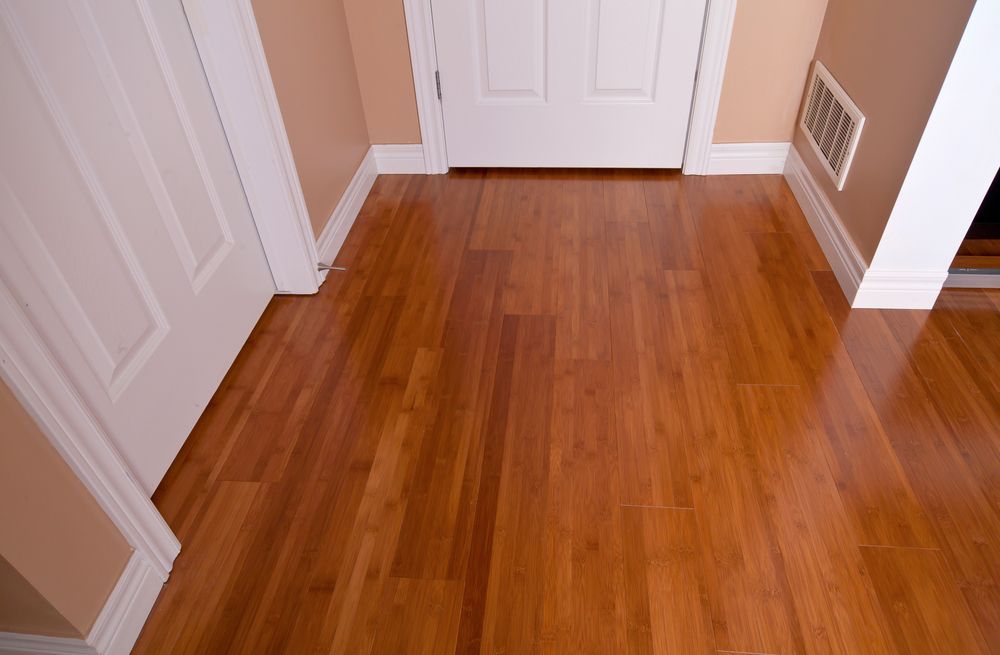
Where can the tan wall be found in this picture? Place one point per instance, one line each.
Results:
(773, 43)
(54, 533)
(891, 57)
(769, 58)
(309, 55)
(25, 611)
(382, 55)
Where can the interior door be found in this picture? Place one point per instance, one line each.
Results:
(125, 237)
(586, 83)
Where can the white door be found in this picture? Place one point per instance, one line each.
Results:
(584, 83)
(125, 238)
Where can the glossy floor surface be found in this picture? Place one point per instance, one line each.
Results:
(585, 412)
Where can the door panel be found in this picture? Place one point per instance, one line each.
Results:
(567, 83)
(124, 231)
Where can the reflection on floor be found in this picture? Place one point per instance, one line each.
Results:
(582, 412)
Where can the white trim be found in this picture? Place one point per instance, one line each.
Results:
(748, 158)
(423, 58)
(899, 290)
(844, 257)
(951, 170)
(718, 33)
(39, 383)
(863, 286)
(399, 158)
(117, 626)
(13, 643)
(347, 210)
(225, 32)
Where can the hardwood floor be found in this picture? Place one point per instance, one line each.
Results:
(592, 412)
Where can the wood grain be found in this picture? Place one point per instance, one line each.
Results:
(591, 412)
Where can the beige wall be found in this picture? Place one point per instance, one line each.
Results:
(891, 57)
(54, 534)
(25, 611)
(769, 58)
(382, 55)
(773, 43)
(309, 55)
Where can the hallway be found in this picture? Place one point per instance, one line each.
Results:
(591, 412)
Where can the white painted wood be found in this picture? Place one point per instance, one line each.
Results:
(708, 87)
(954, 164)
(126, 243)
(118, 625)
(898, 289)
(35, 377)
(843, 255)
(554, 83)
(748, 158)
(227, 38)
(404, 158)
(424, 61)
(347, 210)
(12, 643)
(863, 286)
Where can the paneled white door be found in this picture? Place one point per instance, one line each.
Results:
(126, 243)
(601, 83)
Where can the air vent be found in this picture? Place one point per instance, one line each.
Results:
(832, 123)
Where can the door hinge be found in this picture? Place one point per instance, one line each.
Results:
(437, 79)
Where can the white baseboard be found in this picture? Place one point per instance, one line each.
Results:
(117, 626)
(864, 287)
(399, 158)
(125, 612)
(844, 258)
(899, 290)
(747, 158)
(339, 224)
(12, 643)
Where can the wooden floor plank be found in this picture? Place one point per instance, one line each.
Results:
(600, 412)
(926, 612)
(667, 605)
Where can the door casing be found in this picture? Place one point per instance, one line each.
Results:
(716, 37)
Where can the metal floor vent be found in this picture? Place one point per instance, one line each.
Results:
(832, 123)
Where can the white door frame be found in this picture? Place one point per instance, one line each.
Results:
(225, 32)
(704, 108)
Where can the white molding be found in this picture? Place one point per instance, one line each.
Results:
(718, 32)
(899, 289)
(117, 626)
(225, 32)
(13, 643)
(748, 158)
(954, 163)
(40, 384)
(844, 257)
(347, 210)
(403, 158)
(864, 287)
(423, 58)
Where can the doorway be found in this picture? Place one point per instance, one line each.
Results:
(528, 83)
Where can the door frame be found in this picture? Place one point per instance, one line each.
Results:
(225, 33)
(716, 37)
